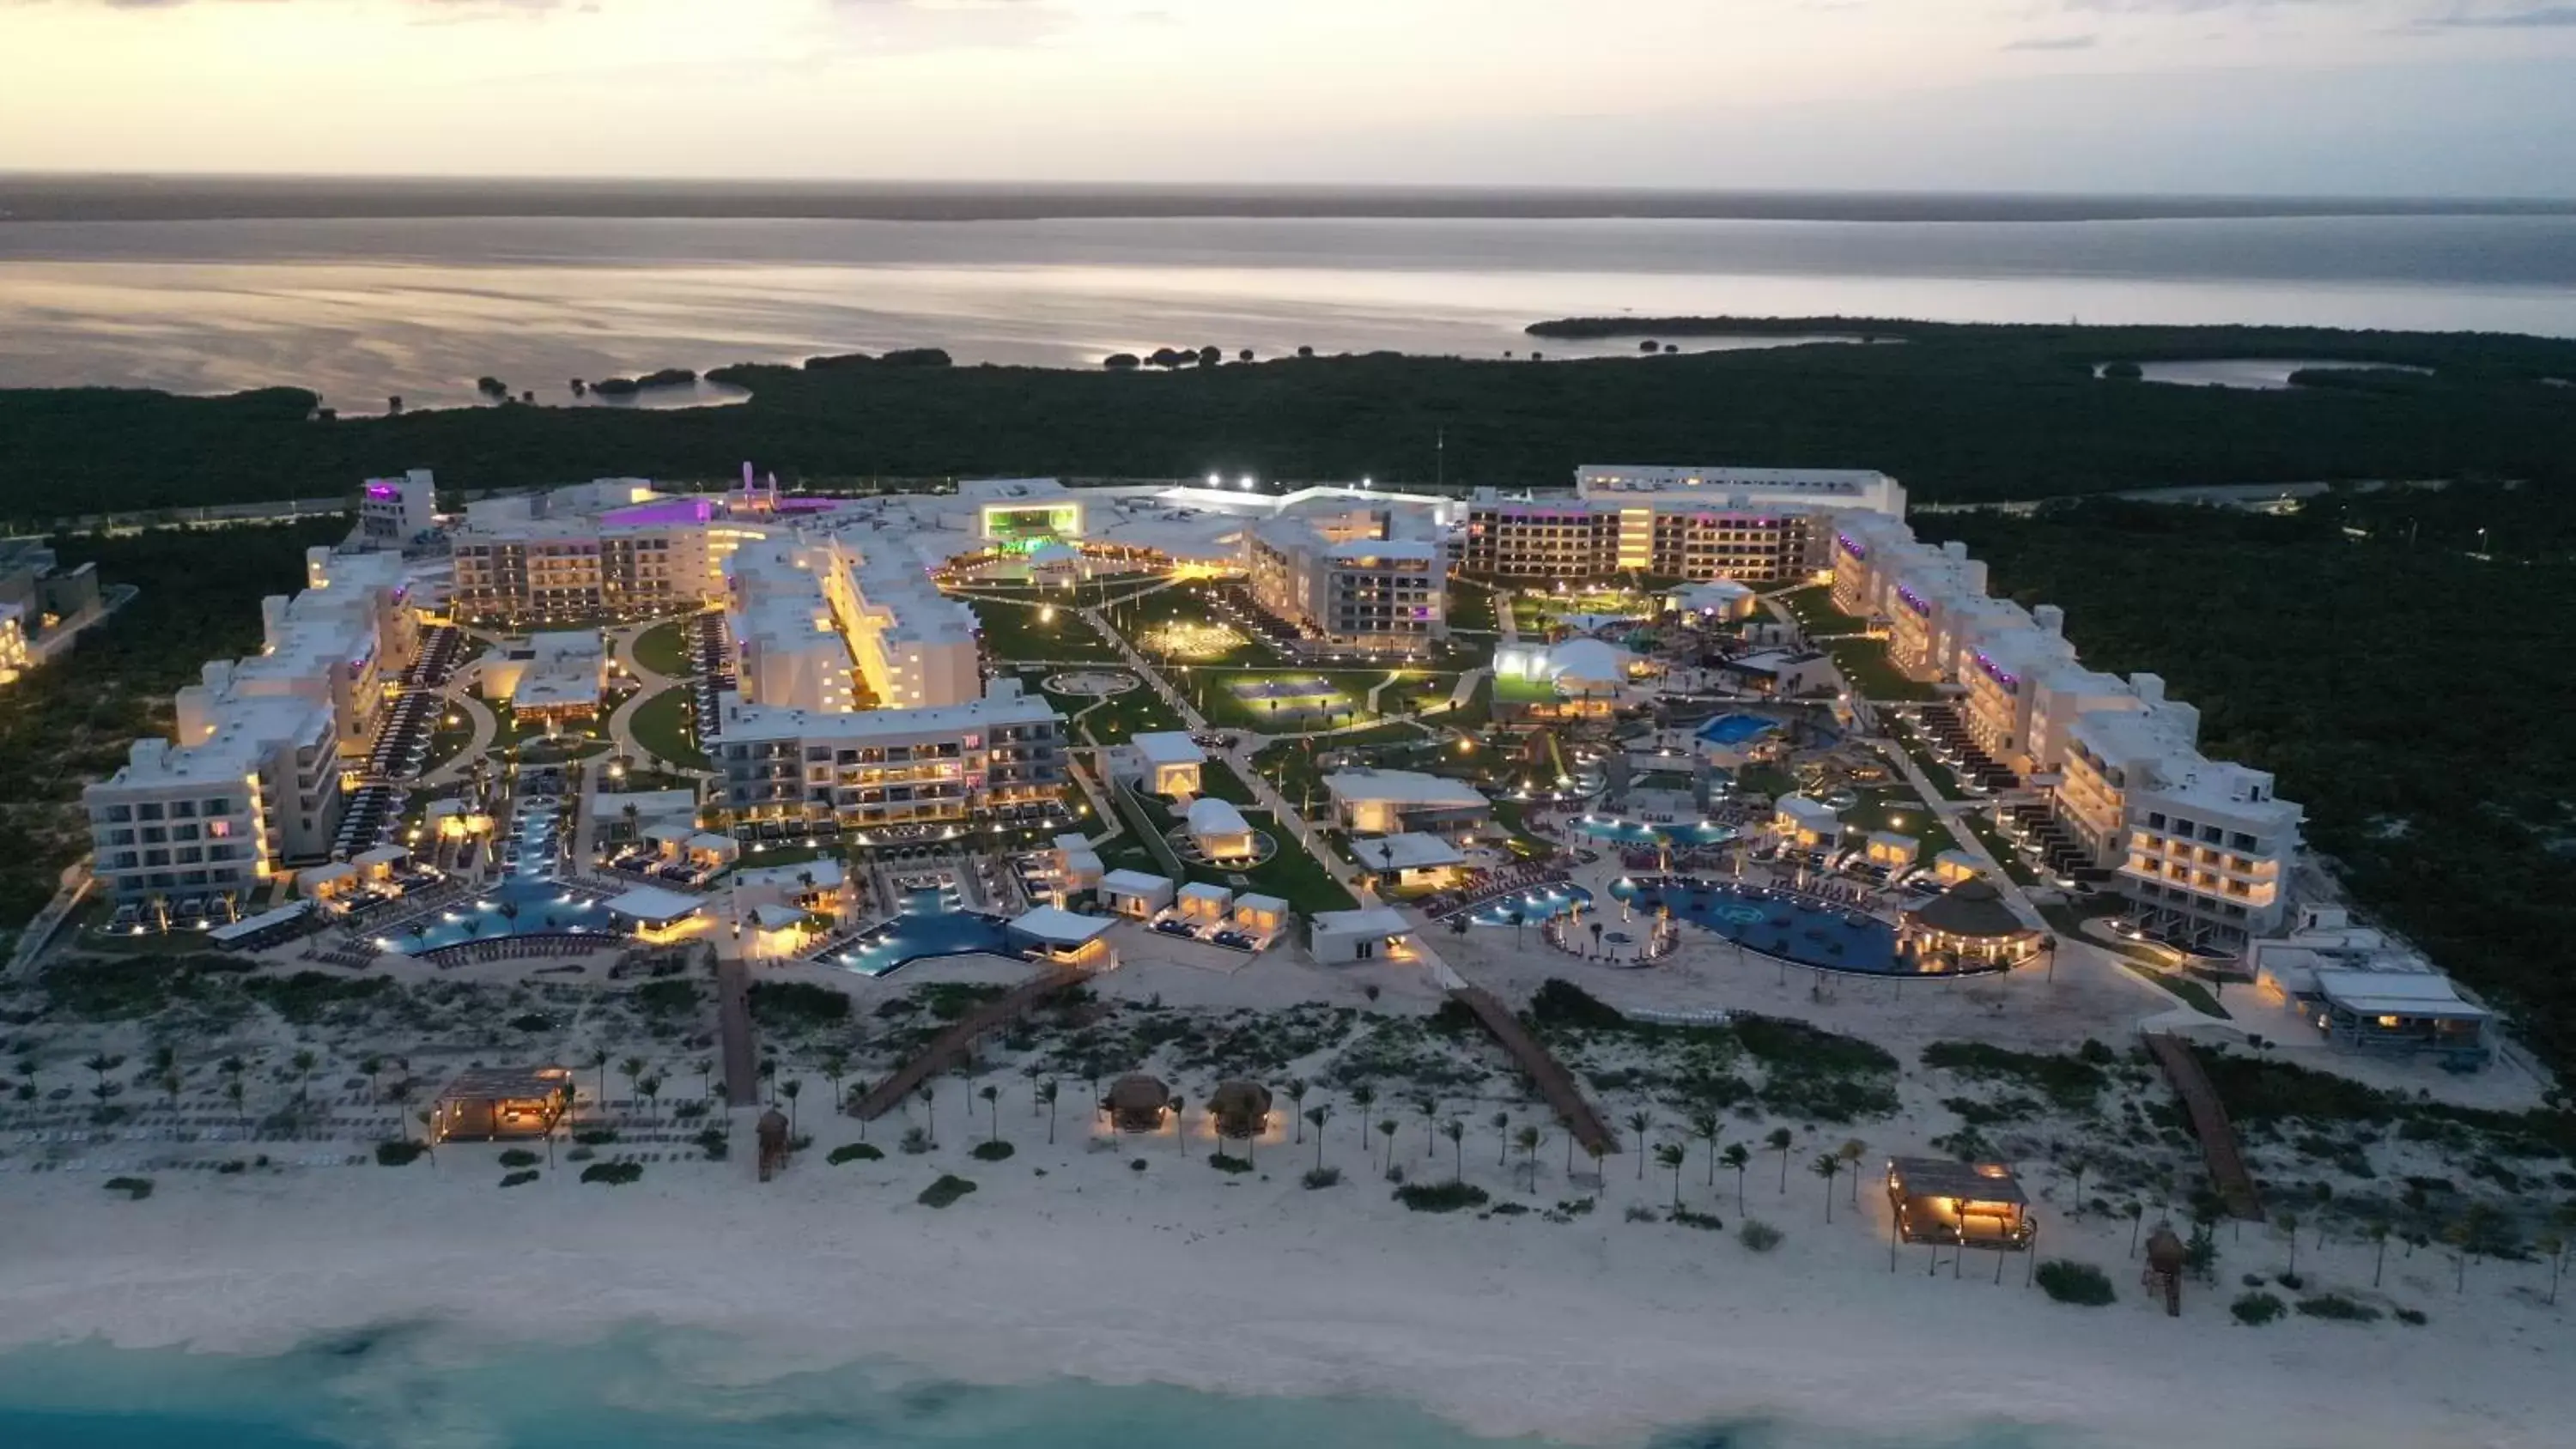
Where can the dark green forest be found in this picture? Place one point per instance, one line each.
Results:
(1961, 413)
(71, 722)
(2419, 701)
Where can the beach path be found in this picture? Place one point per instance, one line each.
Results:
(1554, 1083)
(2209, 1123)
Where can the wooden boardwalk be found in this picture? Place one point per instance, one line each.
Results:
(2209, 1123)
(951, 1046)
(741, 1053)
(1554, 1082)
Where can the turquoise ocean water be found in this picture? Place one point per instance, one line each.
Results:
(404, 1388)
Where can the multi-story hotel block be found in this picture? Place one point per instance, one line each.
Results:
(1755, 525)
(42, 606)
(396, 512)
(251, 781)
(1362, 581)
(607, 549)
(1001, 756)
(2204, 848)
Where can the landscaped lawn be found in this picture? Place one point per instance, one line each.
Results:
(1896, 809)
(1943, 779)
(662, 726)
(1813, 606)
(1184, 625)
(664, 648)
(1276, 700)
(1471, 605)
(2003, 851)
(1864, 662)
(1025, 631)
(1121, 716)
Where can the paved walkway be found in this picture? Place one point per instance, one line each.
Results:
(487, 728)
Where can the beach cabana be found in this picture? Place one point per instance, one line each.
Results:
(1978, 1204)
(1261, 916)
(1376, 933)
(1219, 830)
(1241, 1109)
(1805, 821)
(1412, 861)
(328, 882)
(1134, 893)
(1136, 1103)
(1890, 851)
(1971, 922)
(1065, 937)
(1077, 866)
(1202, 904)
(1167, 761)
(1953, 866)
(491, 1104)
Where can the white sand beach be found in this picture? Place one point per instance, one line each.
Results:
(1068, 1261)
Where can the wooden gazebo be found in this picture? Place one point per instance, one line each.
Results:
(1978, 1204)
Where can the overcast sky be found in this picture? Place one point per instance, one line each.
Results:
(2430, 97)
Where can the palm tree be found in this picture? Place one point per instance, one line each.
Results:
(1640, 1122)
(1850, 1152)
(1705, 1126)
(1528, 1140)
(2378, 1235)
(793, 1088)
(1827, 1166)
(1046, 1094)
(1364, 1097)
(1429, 1106)
(836, 1065)
(769, 1074)
(929, 1109)
(651, 1087)
(233, 1092)
(598, 1061)
(400, 1096)
(1387, 1130)
(102, 1064)
(170, 1086)
(2290, 1224)
(1297, 1089)
(1181, 1123)
(706, 1077)
(2554, 1248)
(1672, 1155)
(2137, 1212)
(2076, 1166)
(1503, 1129)
(1780, 1139)
(304, 1062)
(1456, 1132)
(1319, 1114)
(992, 1096)
(1739, 1157)
(371, 1065)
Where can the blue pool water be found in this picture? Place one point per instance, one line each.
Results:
(544, 909)
(1809, 935)
(924, 929)
(1533, 906)
(1631, 832)
(1735, 729)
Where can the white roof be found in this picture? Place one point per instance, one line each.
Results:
(381, 855)
(1168, 747)
(1410, 851)
(1811, 813)
(724, 845)
(1135, 883)
(1212, 816)
(825, 870)
(322, 875)
(1260, 905)
(652, 903)
(1582, 661)
(1402, 787)
(1374, 921)
(1059, 927)
(1071, 843)
(253, 925)
(1202, 891)
(774, 918)
(2394, 993)
(1893, 837)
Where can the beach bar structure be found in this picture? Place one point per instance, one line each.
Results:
(1065, 937)
(1970, 923)
(1978, 1204)
(493, 1104)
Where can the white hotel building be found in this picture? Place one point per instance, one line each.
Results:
(2203, 847)
(1363, 581)
(1756, 525)
(251, 782)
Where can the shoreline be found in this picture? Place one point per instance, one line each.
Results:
(1598, 1332)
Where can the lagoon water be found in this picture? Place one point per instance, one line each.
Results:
(364, 308)
(659, 1389)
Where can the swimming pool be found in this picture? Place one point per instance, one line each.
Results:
(1818, 936)
(1632, 832)
(1735, 729)
(1534, 906)
(519, 906)
(923, 930)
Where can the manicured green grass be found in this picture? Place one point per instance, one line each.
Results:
(1864, 662)
(1143, 621)
(1942, 778)
(2192, 992)
(1813, 607)
(662, 725)
(1023, 631)
(1121, 716)
(2003, 851)
(1896, 808)
(664, 648)
(1471, 605)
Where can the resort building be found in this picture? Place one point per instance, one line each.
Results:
(1398, 802)
(1002, 755)
(612, 548)
(1135, 893)
(1368, 581)
(1219, 832)
(1780, 673)
(788, 649)
(251, 782)
(1578, 678)
(1411, 862)
(553, 677)
(1749, 525)
(1015, 515)
(41, 607)
(2367, 992)
(1376, 933)
(394, 513)
(2109, 773)
(915, 648)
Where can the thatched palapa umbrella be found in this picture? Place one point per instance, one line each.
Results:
(1136, 1103)
(1241, 1109)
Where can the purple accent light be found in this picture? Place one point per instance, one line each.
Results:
(1851, 545)
(669, 510)
(383, 492)
(1997, 672)
(1913, 600)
